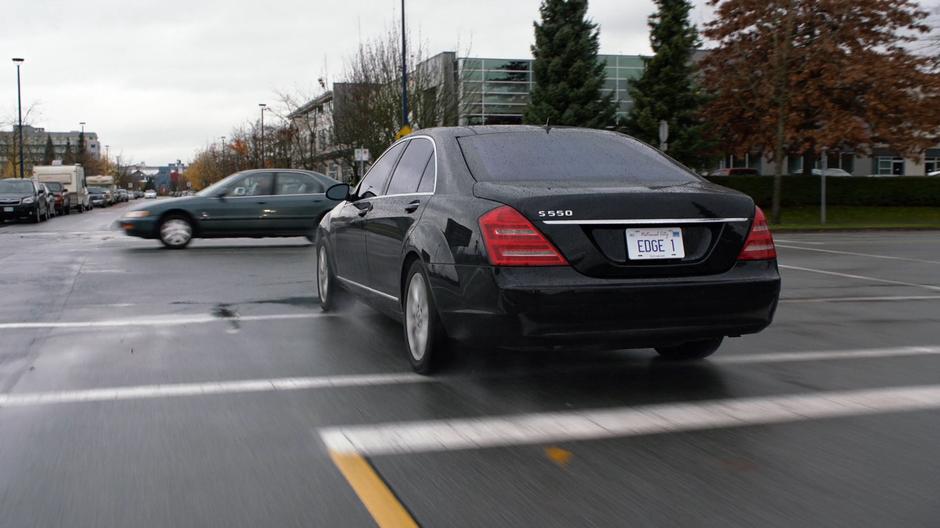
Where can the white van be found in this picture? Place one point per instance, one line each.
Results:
(72, 177)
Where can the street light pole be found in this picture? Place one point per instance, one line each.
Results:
(19, 111)
(263, 107)
(404, 70)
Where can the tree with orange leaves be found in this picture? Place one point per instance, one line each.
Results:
(795, 77)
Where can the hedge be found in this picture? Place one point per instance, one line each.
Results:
(870, 191)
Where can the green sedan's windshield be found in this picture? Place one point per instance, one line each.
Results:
(218, 186)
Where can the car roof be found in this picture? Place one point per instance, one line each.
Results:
(462, 131)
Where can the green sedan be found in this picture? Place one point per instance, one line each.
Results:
(254, 203)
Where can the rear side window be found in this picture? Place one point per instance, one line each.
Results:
(569, 156)
(374, 182)
(297, 183)
(408, 174)
(427, 179)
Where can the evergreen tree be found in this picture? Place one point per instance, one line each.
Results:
(68, 158)
(80, 155)
(568, 77)
(667, 90)
(48, 156)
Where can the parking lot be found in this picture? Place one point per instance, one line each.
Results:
(147, 387)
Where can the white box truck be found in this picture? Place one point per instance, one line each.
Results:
(72, 177)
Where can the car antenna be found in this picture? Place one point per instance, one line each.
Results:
(548, 125)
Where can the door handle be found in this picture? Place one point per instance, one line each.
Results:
(261, 203)
(413, 206)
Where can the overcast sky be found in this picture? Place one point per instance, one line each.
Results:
(159, 79)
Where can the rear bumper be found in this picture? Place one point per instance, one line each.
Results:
(558, 306)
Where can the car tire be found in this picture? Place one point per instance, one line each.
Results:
(328, 291)
(425, 339)
(691, 350)
(37, 216)
(176, 231)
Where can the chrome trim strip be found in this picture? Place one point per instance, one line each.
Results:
(364, 287)
(650, 221)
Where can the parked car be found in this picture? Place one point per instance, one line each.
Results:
(98, 196)
(150, 194)
(254, 203)
(735, 171)
(831, 172)
(23, 200)
(49, 199)
(62, 201)
(520, 236)
(934, 173)
(122, 195)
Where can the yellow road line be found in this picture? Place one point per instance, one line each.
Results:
(382, 504)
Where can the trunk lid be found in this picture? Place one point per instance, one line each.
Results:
(588, 223)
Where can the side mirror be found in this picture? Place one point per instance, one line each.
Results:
(239, 191)
(339, 192)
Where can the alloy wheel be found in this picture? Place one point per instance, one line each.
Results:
(417, 316)
(323, 274)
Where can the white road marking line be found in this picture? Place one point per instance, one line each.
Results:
(862, 277)
(854, 254)
(526, 429)
(798, 242)
(861, 299)
(201, 389)
(782, 357)
(159, 321)
(365, 380)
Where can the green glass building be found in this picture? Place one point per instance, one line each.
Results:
(496, 91)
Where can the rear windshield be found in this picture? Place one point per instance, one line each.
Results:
(571, 156)
(54, 187)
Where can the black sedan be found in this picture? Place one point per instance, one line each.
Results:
(254, 203)
(543, 237)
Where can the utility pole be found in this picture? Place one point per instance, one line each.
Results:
(263, 107)
(405, 126)
(19, 110)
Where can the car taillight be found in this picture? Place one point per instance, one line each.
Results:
(511, 240)
(760, 243)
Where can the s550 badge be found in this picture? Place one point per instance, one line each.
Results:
(552, 214)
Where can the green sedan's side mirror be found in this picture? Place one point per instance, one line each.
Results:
(340, 191)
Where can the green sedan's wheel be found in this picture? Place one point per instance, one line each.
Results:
(176, 232)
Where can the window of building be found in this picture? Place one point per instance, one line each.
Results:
(931, 165)
(888, 165)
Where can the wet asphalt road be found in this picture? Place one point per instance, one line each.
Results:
(84, 308)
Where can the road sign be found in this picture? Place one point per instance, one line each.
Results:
(361, 154)
(405, 130)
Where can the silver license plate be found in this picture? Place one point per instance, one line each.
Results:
(655, 243)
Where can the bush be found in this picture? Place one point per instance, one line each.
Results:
(909, 191)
